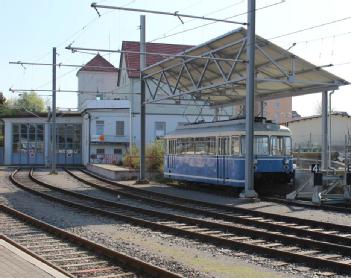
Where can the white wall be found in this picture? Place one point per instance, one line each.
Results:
(304, 130)
(171, 124)
(94, 81)
(109, 117)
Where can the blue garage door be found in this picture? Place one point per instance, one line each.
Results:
(28, 144)
(69, 137)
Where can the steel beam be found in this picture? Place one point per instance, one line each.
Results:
(325, 130)
(53, 117)
(249, 191)
(142, 99)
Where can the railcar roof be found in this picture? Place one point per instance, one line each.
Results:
(222, 127)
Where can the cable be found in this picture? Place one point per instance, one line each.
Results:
(310, 28)
(210, 13)
(210, 23)
(342, 64)
(323, 38)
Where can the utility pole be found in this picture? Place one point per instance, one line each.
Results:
(250, 99)
(142, 99)
(53, 118)
(325, 130)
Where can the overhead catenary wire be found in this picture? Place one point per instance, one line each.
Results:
(207, 14)
(177, 14)
(211, 23)
(80, 31)
(310, 28)
(73, 49)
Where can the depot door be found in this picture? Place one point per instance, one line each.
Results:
(28, 144)
(69, 144)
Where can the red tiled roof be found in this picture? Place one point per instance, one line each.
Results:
(99, 63)
(133, 59)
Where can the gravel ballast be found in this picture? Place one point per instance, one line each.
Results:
(185, 256)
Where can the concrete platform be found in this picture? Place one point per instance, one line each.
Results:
(113, 172)
(15, 263)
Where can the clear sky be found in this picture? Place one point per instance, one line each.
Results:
(30, 28)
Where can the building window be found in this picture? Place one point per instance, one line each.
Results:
(120, 128)
(100, 151)
(160, 129)
(99, 127)
(117, 151)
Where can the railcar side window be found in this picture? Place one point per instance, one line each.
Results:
(172, 146)
(223, 146)
(235, 145)
(185, 146)
(277, 145)
(211, 145)
(200, 145)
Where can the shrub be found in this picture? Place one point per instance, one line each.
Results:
(154, 156)
(131, 158)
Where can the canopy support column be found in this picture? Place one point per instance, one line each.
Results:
(250, 103)
(325, 130)
(142, 100)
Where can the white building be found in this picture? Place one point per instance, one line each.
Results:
(107, 122)
(109, 100)
(307, 131)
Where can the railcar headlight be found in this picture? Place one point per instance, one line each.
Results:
(255, 161)
(286, 161)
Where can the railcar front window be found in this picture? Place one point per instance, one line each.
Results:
(277, 145)
(288, 145)
(260, 145)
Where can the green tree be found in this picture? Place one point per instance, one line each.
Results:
(30, 102)
(26, 102)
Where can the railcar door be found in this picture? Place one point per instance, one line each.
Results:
(223, 151)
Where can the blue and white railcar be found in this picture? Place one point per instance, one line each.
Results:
(214, 153)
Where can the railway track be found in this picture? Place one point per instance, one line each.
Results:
(68, 253)
(279, 196)
(279, 223)
(307, 204)
(280, 244)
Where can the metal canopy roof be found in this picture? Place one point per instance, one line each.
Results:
(215, 72)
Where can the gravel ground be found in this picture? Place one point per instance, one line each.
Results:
(290, 210)
(191, 258)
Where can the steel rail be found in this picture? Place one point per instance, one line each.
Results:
(123, 259)
(236, 218)
(29, 252)
(309, 205)
(312, 234)
(254, 213)
(231, 242)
